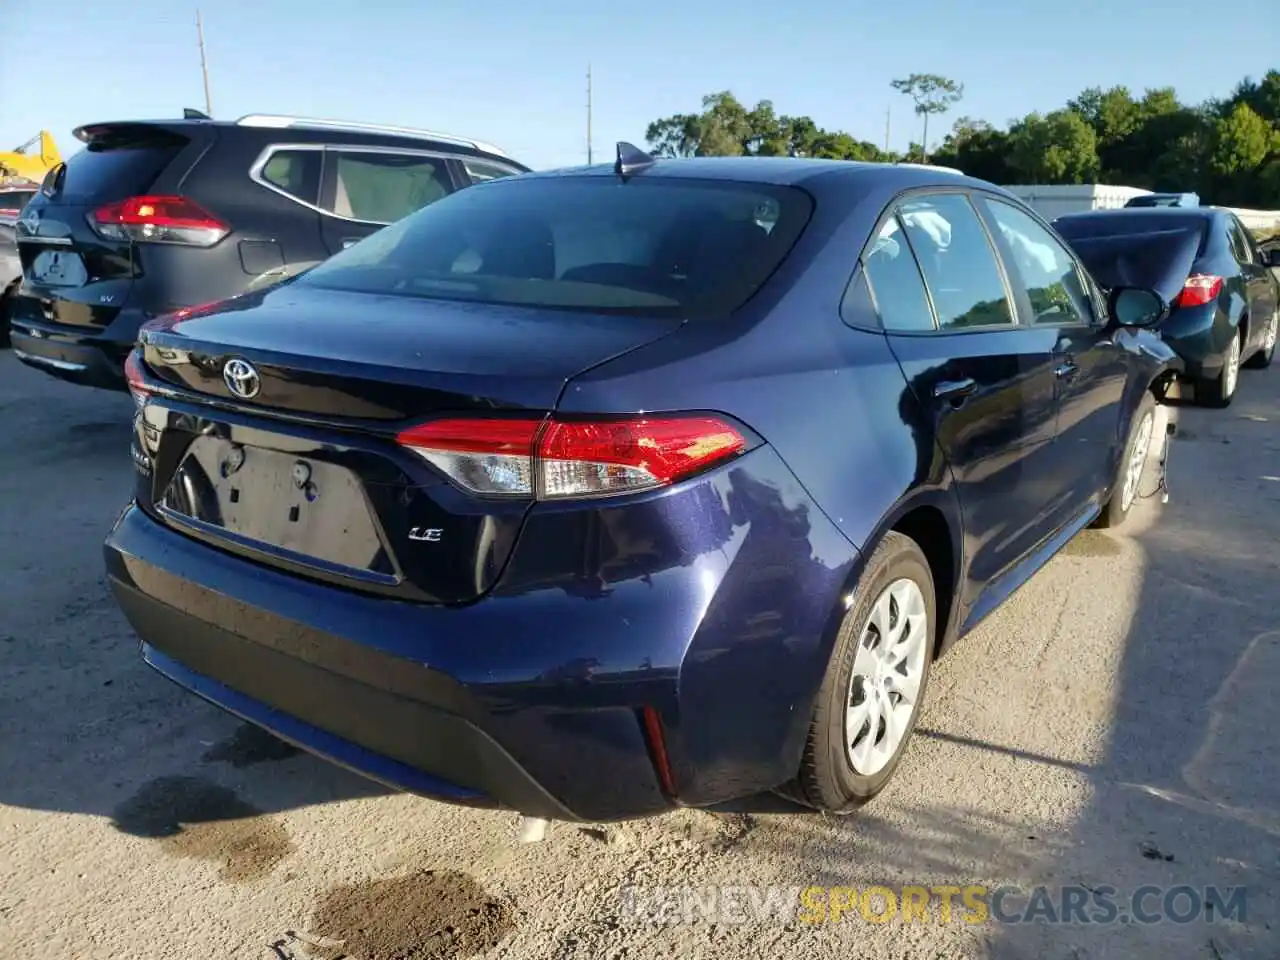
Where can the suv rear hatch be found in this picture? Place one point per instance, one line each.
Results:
(275, 427)
(77, 238)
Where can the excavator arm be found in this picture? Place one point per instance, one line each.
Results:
(32, 160)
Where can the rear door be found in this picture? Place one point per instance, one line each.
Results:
(365, 188)
(73, 274)
(1260, 288)
(1090, 368)
(985, 382)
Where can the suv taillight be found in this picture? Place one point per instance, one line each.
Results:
(550, 459)
(154, 219)
(1200, 288)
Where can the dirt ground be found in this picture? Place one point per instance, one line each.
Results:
(1112, 725)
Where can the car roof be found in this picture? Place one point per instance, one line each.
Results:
(305, 128)
(783, 171)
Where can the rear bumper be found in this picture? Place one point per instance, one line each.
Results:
(1199, 336)
(72, 355)
(533, 697)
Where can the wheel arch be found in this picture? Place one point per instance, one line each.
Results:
(931, 517)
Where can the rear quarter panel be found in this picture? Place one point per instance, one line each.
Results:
(829, 398)
(832, 403)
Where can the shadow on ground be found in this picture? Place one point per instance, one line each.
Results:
(85, 727)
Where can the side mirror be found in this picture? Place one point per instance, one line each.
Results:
(1271, 257)
(1136, 307)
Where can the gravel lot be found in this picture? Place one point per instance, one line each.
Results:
(1112, 725)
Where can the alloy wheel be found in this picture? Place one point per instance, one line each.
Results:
(888, 667)
(1231, 368)
(1269, 341)
(1137, 461)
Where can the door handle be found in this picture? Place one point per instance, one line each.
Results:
(350, 242)
(1065, 370)
(955, 391)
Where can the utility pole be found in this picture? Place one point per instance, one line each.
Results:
(589, 155)
(204, 64)
(888, 112)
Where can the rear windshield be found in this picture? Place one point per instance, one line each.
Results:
(661, 247)
(15, 199)
(112, 170)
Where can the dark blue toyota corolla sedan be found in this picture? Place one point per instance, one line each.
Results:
(597, 492)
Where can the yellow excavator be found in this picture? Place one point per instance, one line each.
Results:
(31, 161)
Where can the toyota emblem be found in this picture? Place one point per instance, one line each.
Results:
(241, 378)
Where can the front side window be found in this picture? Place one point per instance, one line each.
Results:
(1043, 266)
(694, 249)
(384, 187)
(958, 263)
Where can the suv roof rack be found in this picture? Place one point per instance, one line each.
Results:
(281, 121)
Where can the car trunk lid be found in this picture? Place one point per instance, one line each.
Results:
(268, 428)
(1159, 260)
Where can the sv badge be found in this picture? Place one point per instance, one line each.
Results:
(426, 534)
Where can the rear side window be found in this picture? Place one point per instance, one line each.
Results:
(113, 169)
(1240, 247)
(958, 263)
(296, 172)
(693, 249)
(896, 285)
(384, 187)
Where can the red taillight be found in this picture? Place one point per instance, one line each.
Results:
(1199, 289)
(558, 459)
(158, 220)
(133, 376)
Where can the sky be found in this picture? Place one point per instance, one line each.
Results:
(515, 74)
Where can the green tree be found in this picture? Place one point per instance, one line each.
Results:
(1262, 97)
(722, 129)
(1114, 116)
(1228, 150)
(727, 128)
(932, 94)
(1058, 148)
(977, 148)
(1240, 142)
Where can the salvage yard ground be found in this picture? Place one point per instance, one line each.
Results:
(1114, 724)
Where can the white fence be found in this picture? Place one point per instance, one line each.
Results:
(1054, 201)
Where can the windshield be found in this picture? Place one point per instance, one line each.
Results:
(692, 249)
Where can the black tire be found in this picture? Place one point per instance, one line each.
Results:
(1262, 359)
(827, 780)
(1115, 510)
(1221, 390)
